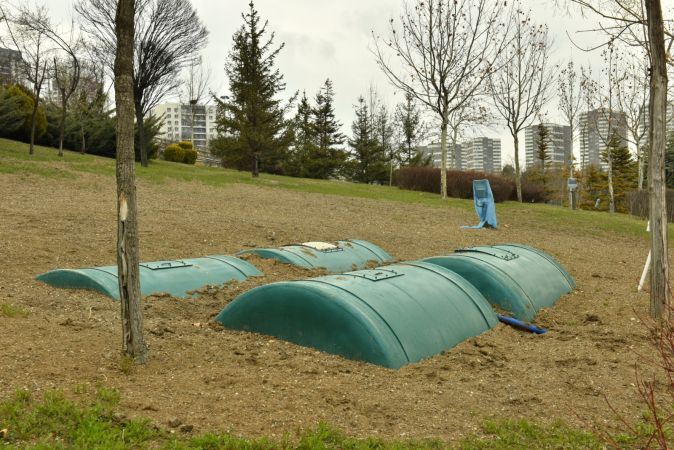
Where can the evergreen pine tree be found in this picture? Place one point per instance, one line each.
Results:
(624, 171)
(304, 138)
(251, 121)
(411, 131)
(327, 158)
(542, 146)
(369, 161)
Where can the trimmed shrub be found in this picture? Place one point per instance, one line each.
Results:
(185, 145)
(174, 153)
(459, 184)
(190, 156)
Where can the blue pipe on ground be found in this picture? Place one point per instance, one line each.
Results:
(521, 325)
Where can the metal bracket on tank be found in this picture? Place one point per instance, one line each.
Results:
(376, 274)
(159, 265)
(506, 255)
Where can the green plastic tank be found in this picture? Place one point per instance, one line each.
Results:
(175, 277)
(515, 277)
(339, 257)
(389, 316)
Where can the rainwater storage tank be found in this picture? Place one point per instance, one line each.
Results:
(516, 278)
(340, 257)
(174, 277)
(389, 316)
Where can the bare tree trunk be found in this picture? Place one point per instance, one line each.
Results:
(33, 117)
(455, 132)
(390, 175)
(133, 343)
(611, 195)
(656, 163)
(140, 123)
(83, 147)
(640, 168)
(518, 172)
(256, 165)
(443, 158)
(62, 124)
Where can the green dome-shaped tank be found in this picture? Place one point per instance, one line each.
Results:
(177, 277)
(390, 316)
(342, 256)
(515, 277)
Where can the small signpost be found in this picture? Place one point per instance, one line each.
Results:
(572, 185)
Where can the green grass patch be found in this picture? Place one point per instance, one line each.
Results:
(511, 434)
(53, 421)
(45, 162)
(11, 311)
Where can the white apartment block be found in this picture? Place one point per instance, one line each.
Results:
(433, 150)
(595, 129)
(560, 144)
(194, 123)
(11, 65)
(645, 122)
(482, 154)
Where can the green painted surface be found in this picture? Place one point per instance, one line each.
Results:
(388, 316)
(517, 278)
(175, 277)
(347, 255)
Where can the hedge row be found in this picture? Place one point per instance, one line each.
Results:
(638, 201)
(460, 184)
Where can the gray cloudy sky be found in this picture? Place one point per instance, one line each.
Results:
(331, 38)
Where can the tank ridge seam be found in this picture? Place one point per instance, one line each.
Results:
(356, 242)
(552, 261)
(227, 263)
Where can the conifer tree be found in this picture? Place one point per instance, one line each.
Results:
(304, 138)
(369, 161)
(251, 120)
(542, 145)
(411, 129)
(327, 158)
(624, 170)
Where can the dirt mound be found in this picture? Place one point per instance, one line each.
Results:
(219, 380)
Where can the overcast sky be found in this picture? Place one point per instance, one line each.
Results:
(332, 38)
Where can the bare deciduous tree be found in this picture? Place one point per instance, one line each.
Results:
(520, 88)
(444, 51)
(643, 23)
(195, 89)
(602, 100)
(33, 43)
(570, 101)
(133, 342)
(167, 34)
(632, 98)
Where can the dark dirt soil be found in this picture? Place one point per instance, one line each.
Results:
(218, 380)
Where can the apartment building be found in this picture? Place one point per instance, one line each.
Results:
(433, 150)
(10, 66)
(560, 144)
(482, 154)
(596, 128)
(195, 123)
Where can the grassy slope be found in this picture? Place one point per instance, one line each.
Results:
(14, 158)
(56, 422)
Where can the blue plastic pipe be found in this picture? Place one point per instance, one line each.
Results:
(521, 325)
